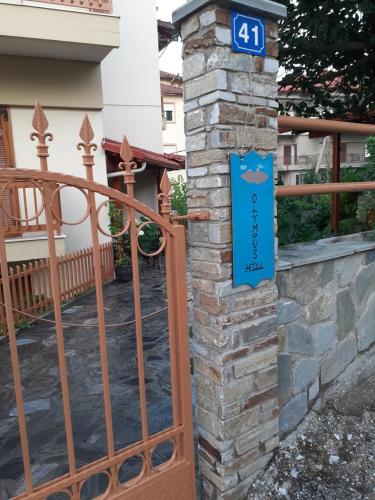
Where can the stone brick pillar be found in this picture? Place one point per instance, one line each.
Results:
(235, 329)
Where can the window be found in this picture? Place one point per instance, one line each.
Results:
(9, 195)
(6, 143)
(169, 112)
(287, 155)
(298, 179)
(343, 151)
(295, 153)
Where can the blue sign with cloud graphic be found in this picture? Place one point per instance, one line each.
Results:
(252, 218)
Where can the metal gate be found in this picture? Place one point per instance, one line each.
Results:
(173, 478)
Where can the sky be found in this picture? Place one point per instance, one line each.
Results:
(170, 60)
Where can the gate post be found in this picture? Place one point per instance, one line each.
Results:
(235, 329)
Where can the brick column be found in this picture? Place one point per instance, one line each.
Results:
(235, 329)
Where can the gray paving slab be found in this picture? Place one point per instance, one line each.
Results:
(42, 393)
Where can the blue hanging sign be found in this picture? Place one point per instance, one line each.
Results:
(248, 34)
(252, 218)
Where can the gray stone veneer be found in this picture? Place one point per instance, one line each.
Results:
(326, 318)
(234, 330)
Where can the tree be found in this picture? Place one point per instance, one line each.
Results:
(179, 196)
(328, 52)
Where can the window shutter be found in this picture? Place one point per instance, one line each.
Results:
(3, 133)
(9, 201)
(287, 154)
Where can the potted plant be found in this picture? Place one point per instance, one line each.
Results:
(121, 245)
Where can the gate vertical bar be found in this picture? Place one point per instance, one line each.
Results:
(129, 179)
(165, 211)
(336, 177)
(180, 288)
(40, 124)
(87, 135)
(15, 362)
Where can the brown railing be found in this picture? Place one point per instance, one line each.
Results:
(322, 128)
(31, 289)
(104, 6)
(23, 211)
(328, 188)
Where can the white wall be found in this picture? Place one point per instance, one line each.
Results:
(175, 132)
(64, 158)
(146, 188)
(131, 81)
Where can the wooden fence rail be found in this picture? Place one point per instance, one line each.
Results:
(30, 283)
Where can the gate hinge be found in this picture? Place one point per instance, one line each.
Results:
(201, 215)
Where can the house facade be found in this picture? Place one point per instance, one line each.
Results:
(77, 57)
(51, 51)
(297, 153)
(130, 74)
(173, 113)
(300, 152)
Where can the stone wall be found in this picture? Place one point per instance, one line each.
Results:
(326, 318)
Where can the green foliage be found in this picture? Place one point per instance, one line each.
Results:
(179, 196)
(326, 41)
(149, 236)
(304, 218)
(366, 201)
(370, 146)
(121, 244)
(308, 218)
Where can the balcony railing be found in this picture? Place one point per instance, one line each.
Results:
(104, 6)
(21, 210)
(312, 160)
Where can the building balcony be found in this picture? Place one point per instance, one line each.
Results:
(32, 247)
(23, 219)
(100, 6)
(305, 161)
(79, 30)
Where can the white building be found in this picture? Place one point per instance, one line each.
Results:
(52, 53)
(299, 152)
(131, 93)
(132, 103)
(75, 61)
(173, 113)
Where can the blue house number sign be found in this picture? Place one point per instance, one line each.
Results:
(248, 34)
(252, 218)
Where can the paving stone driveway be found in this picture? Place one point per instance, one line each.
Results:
(42, 393)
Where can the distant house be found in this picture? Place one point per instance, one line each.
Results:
(173, 113)
(299, 152)
(147, 186)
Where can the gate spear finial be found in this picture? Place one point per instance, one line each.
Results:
(87, 135)
(40, 124)
(165, 195)
(128, 165)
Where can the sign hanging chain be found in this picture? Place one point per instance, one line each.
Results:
(250, 104)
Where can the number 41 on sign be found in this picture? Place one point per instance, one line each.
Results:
(248, 34)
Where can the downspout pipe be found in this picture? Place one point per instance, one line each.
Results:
(121, 172)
